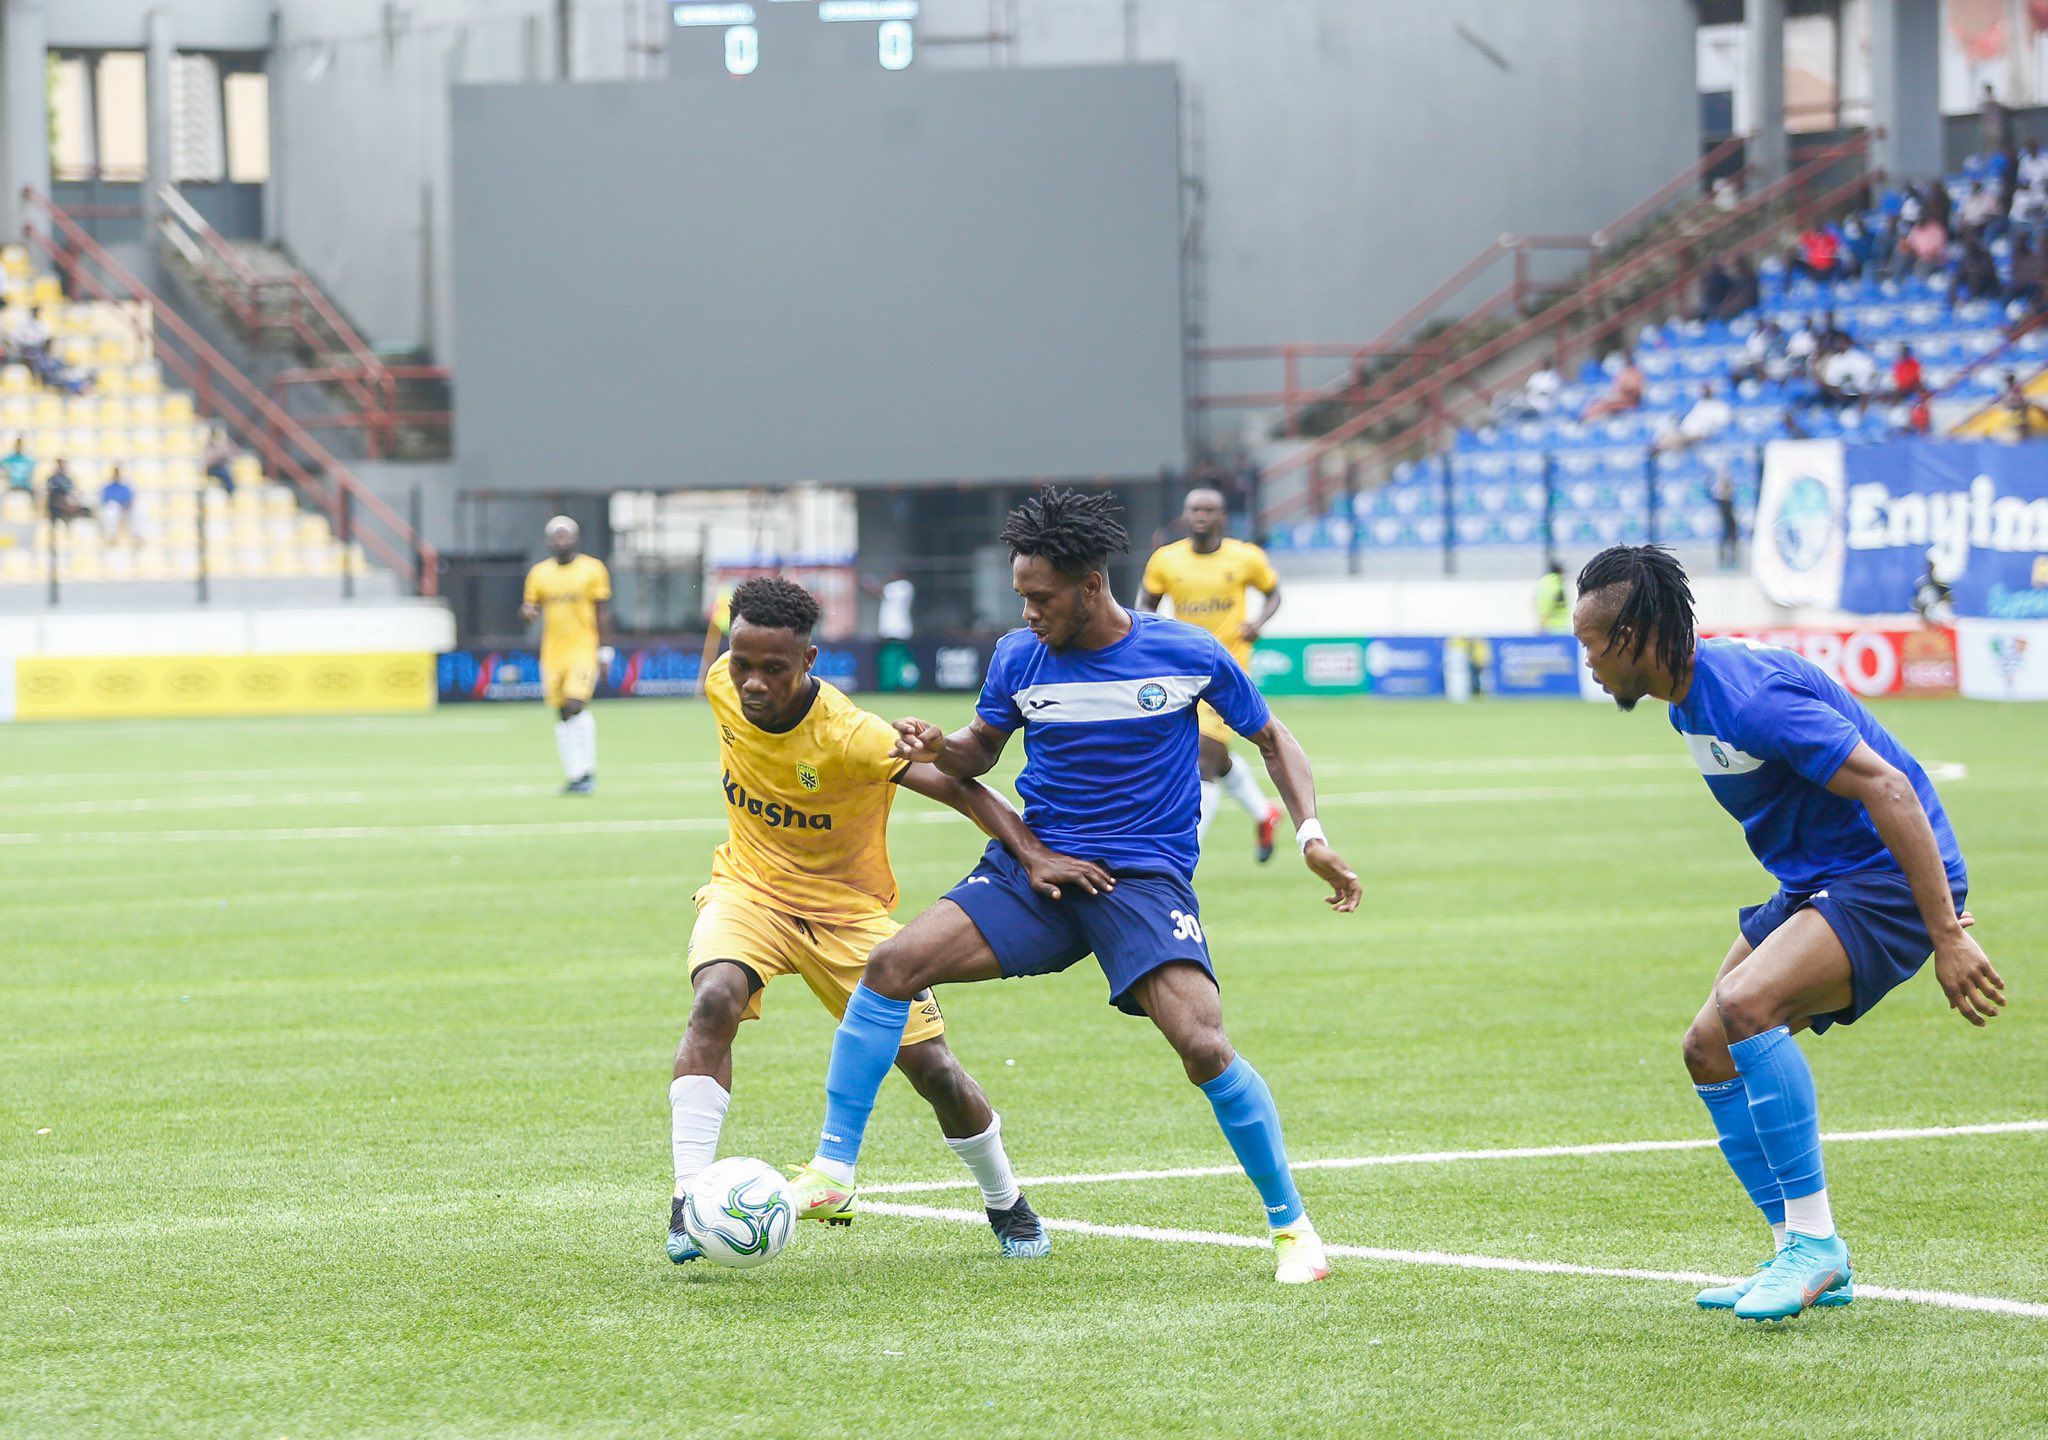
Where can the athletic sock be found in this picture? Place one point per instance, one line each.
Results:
(1778, 1235)
(1211, 794)
(1728, 1102)
(1244, 1108)
(1787, 1118)
(1243, 787)
(696, 1114)
(565, 747)
(984, 1155)
(585, 727)
(863, 1049)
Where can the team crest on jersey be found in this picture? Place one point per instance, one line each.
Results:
(807, 775)
(1151, 697)
(1720, 756)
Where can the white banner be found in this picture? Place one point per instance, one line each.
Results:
(2003, 659)
(1797, 547)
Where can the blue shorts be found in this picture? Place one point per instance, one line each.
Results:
(1146, 922)
(1874, 917)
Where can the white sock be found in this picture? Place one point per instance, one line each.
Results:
(696, 1114)
(836, 1170)
(1810, 1215)
(1243, 787)
(1778, 1234)
(984, 1155)
(1211, 793)
(584, 727)
(565, 746)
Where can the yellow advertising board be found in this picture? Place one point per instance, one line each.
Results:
(95, 687)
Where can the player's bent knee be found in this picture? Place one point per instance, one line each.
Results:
(1706, 1056)
(1744, 1010)
(1205, 1055)
(893, 971)
(722, 989)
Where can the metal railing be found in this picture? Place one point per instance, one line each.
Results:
(228, 397)
(1441, 408)
(290, 302)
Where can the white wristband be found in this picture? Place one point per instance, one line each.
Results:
(1308, 831)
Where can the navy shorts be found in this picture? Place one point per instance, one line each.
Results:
(1874, 917)
(1146, 922)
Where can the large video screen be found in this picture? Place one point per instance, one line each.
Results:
(847, 279)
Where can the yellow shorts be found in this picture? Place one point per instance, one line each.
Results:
(1211, 724)
(733, 926)
(574, 679)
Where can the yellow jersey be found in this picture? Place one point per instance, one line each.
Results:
(807, 809)
(1208, 590)
(568, 597)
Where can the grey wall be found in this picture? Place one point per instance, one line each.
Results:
(856, 278)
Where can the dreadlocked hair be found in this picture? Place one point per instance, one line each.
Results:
(774, 603)
(1658, 602)
(1073, 532)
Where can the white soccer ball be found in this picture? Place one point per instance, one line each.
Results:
(737, 1213)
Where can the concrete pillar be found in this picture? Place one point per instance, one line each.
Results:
(24, 109)
(273, 190)
(1905, 87)
(1766, 37)
(159, 49)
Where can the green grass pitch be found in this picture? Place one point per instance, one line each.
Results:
(333, 1059)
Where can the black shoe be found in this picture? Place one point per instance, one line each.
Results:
(1019, 1231)
(586, 785)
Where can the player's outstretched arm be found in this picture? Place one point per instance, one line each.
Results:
(1049, 870)
(964, 754)
(1287, 763)
(1967, 978)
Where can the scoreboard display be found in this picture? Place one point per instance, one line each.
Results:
(744, 36)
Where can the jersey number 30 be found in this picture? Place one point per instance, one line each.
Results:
(1186, 926)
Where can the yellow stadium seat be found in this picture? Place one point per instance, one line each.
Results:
(146, 440)
(178, 408)
(246, 469)
(15, 379)
(49, 409)
(280, 500)
(182, 440)
(184, 473)
(111, 350)
(81, 409)
(14, 259)
(147, 474)
(111, 382)
(44, 290)
(81, 441)
(146, 378)
(113, 412)
(73, 349)
(17, 507)
(145, 409)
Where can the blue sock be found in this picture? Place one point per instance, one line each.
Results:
(1244, 1108)
(1728, 1103)
(863, 1049)
(1782, 1105)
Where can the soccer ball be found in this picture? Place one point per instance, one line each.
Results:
(737, 1213)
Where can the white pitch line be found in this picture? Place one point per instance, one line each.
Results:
(1944, 1299)
(1443, 1157)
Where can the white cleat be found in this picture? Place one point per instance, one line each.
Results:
(1298, 1257)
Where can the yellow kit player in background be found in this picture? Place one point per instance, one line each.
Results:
(570, 594)
(1206, 577)
(802, 886)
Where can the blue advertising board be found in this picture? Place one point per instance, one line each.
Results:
(1534, 665)
(645, 671)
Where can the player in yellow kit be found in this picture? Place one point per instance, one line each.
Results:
(1206, 576)
(570, 594)
(802, 886)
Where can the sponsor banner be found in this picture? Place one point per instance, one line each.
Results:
(1871, 662)
(2003, 659)
(647, 671)
(170, 685)
(1535, 665)
(951, 664)
(1408, 665)
(1856, 527)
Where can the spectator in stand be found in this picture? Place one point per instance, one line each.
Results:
(28, 339)
(1977, 273)
(1763, 354)
(1920, 414)
(1818, 253)
(60, 495)
(1940, 204)
(1708, 417)
(1912, 207)
(1859, 247)
(1994, 124)
(1983, 215)
(1715, 286)
(117, 508)
(1624, 395)
(1746, 293)
(2026, 414)
(2029, 273)
(1731, 527)
(1536, 399)
(20, 467)
(1923, 251)
(218, 458)
(1906, 374)
(2033, 167)
(1847, 375)
(1802, 347)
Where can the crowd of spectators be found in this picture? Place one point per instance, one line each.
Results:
(29, 341)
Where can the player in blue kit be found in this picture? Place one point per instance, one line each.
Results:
(1106, 699)
(1870, 878)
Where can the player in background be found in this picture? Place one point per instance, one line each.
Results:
(802, 886)
(1106, 698)
(717, 624)
(1870, 882)
(1206, 577)
(570, 594)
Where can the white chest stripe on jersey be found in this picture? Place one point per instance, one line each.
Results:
(1081, 701)
(1718, 757)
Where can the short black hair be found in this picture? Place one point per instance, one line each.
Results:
(774, 603)
(1658, 598)
(1075, 533)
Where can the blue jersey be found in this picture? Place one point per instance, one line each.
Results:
(1769, 729)
(1111, 750)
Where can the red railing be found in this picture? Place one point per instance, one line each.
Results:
(1418, 357)
(227, 396)
(1432, 392)
(289, 301)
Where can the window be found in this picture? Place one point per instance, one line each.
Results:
(247, 96)
(71, 127)
(120, 83)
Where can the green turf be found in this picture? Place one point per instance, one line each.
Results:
(366, 1134)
